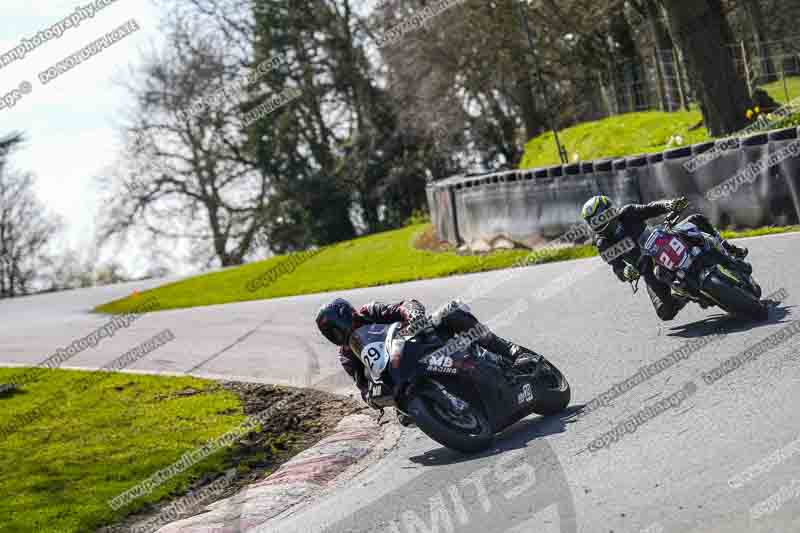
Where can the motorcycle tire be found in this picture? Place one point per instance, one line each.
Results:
(442, 424)
(735, 300)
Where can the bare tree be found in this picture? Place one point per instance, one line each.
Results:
(79, 269)
(26, 230)
(187, 172)
(465, 72)
(73, 270)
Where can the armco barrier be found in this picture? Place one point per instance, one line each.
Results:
(526, 205)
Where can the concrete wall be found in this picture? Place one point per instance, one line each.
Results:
(526, 205)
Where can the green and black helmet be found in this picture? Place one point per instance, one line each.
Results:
(593, 211)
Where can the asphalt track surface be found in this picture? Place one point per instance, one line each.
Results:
(672, 474)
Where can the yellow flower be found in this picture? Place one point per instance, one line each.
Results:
(758, 110)
(749, 114)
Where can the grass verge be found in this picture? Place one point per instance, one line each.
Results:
(60, 471)
(759, 232)
(379, 259)
(631, 133)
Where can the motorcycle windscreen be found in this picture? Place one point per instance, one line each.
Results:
(688, 228)
(647, 238)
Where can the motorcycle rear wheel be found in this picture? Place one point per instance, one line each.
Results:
(735, 300)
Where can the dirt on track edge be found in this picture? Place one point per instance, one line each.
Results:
(307, 419)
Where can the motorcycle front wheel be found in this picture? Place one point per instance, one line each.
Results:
(466, 431)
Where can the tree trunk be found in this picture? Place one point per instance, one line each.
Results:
(699, 30)
(655, 21)
(662, 43)
(531, 117)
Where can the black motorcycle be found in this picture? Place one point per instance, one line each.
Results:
(457, 393)
(691, 262)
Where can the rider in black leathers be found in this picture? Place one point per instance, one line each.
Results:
(338, 319)
(631, 221)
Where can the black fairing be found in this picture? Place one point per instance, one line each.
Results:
(476, 371)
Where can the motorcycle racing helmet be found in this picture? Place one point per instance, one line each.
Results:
(335, 321)
(593, 211)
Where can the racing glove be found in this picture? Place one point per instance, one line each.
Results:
(630, 273)
(441, 314)
(679, 204)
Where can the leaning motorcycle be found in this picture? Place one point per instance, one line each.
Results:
(457, 393)
(690, 262)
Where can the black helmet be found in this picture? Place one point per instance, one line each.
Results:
(335, 321)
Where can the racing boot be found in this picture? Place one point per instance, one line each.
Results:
(741, 265)
(737, 264)
(499, 346)
(704, 225)
(738, 252)
(513, 354)
(736, 256)
(404, 420)
(523, 356)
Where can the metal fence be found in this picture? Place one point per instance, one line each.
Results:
(768, 62)
(658, 81)
(648, 83)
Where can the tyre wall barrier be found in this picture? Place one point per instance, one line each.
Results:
(531, 204)
(526, 206)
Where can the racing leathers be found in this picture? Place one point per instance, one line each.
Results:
(410, 313)
(631, 222)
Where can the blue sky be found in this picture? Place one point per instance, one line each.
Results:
(70, 122)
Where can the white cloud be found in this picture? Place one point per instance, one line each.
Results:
(70, 121)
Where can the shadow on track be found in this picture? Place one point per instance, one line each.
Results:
(514, 438)
(724, 323)
(522, 486)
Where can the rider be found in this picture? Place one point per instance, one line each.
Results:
(338, 319)
(630, 221)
